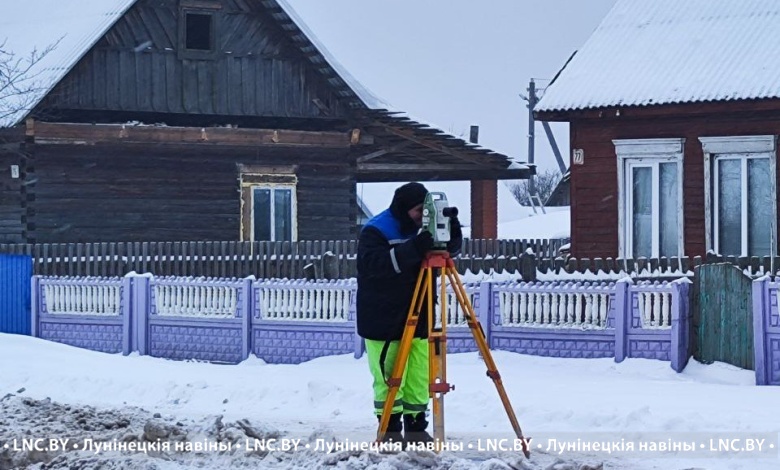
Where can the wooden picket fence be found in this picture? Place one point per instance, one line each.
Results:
(674, 267)
(287, 259)
(240, 259)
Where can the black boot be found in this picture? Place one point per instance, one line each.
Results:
(394, 428)
(414, 426)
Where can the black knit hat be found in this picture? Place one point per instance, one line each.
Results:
(408, 196)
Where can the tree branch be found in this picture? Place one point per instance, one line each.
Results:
(20, 84)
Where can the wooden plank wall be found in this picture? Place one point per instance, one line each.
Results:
(594, 184)
(12, 210)
(137, 192)
(255, 71)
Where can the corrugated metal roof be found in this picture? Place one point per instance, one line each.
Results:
(71, 27)
(673, 51)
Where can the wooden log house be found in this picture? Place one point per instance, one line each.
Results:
(163, 120)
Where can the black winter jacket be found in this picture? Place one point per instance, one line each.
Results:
(388, 265)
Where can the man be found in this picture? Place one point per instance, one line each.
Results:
(390, 253)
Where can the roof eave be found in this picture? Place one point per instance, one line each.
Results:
(23, 117)
(690, 108)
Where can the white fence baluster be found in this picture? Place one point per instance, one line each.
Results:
(81, 296)
(648, 311)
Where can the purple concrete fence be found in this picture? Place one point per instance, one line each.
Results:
(559, 319)
(87, 312)
(459, 336)
(281, 321)
(217, 320)
(592, 319)
(193, 318)
(295, 321)
(766, 331)
(655, 309)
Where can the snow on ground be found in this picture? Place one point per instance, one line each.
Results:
(49, 390)
(555, 222)
(514, 220)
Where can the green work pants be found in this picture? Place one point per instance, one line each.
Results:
(412, 396)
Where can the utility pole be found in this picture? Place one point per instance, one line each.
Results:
(531, 132)
(532, 99)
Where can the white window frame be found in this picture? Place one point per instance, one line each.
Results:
(255, 177)
(293, 209)
(743, 148)
(632, 153)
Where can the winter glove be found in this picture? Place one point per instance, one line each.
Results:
(423, 242)
(456, 236)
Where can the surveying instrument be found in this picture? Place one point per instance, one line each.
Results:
(436, 219)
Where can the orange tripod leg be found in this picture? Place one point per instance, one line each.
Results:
(437, 346)
(437, 362)
(394, 382)
(479, 337)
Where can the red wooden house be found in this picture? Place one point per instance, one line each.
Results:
(674, 109)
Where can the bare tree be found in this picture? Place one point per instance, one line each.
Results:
(19, 82)
(544, 183)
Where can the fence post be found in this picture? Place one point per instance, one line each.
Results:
(680, 325)
(622, 316)
(127, 315)
(360, 346)
(528, 266)
(761, 311)
(35, 300)
(484, 314)
(247, 310)
(141, 310)
(330, 266)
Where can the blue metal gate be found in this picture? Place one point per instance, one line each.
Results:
(15, 285)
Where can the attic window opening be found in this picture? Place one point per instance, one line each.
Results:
(199, 31)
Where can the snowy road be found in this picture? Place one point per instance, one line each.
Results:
(112, 439)
(52, 391)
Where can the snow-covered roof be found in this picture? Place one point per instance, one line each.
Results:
(672, 51)
(368, 98)
(360, 96)
(74, 26)
(70, 27)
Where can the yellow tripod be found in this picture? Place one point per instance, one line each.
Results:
(437, 346)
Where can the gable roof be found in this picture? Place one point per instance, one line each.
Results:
(75, 26)
(335, 73)
(70, 28)
(671, 51)
(392, 124)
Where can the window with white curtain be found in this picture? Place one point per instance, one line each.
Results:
(650, 205)
(740, 187)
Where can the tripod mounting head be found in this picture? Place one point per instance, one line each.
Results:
(436, 218)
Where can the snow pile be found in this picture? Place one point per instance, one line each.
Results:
(112, 430)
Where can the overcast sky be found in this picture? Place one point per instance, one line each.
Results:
(455, 63)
